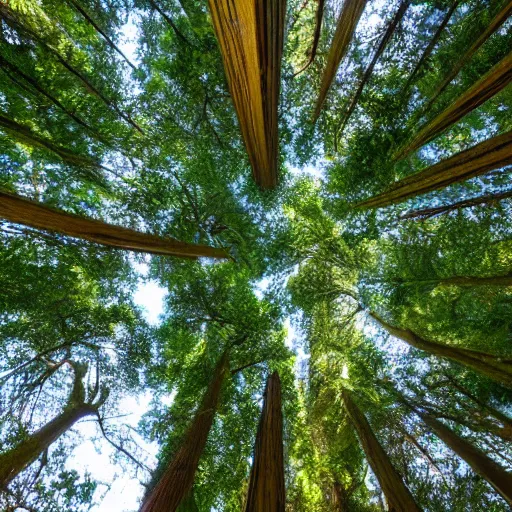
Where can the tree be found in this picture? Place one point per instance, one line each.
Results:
(266, 484)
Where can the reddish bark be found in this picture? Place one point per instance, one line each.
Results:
(398, 496)
(22, 211)
(266, 492)
(177, 481)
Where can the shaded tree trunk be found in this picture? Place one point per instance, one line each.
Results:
(18, 458)
(487, 200)
(398, 496)
(345, 28)
(490, 154)
(22, 211)
(15, 460)
(493, 367)
(176, 483)
(6, 65)
(432, 44)
(25, 135)
(266, 492)
(497, 78)
(493, 26)
(250, 35)
(341, 498)
(480, 463)
(369, 71)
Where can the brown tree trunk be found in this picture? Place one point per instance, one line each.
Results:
(493, 367)
(25, 135)
(22, 211)
(369, 71)
(15, 460)
(347, 23)
(250, 35)
(397, 494)
(433, 43)
(340, 502)
(495, 24)
(21, 456)
(177, 481)
(266, 492)
(498, 477)
(488, 86)
(487, 199)
(484, 157)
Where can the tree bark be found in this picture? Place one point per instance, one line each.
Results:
(432, 44)
(347, 22)
(22, 211)
(23, 455)
(369, 71)
(266, 492)
(25, 135)
(397, 494)
(480, 463)
(250, 35)
(177, 481)
(493, 26)
(341, 498)
(496, 79)
(490, 154)
(15, 460)
(493, 367)
(487, 199)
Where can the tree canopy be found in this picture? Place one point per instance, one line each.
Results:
(321, 192)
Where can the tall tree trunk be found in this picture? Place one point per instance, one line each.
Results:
(25, 135)
(341, 498)
(178, 479)
(498, 477)
(16, 459)
(397, 494)
(494, 81)
(266, 492)
(21, 456)
(493, 367)
(100, 31)
(22, 211)
(484, 157)
(493, 26)
(250, 35)
(432, 44)
(487, 200)
(369, 71)
(347, 23)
